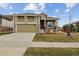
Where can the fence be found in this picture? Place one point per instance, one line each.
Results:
(6, 29)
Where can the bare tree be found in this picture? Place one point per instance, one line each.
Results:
(70, 18)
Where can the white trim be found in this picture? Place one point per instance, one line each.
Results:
(13, 24)
(16, 20)
(25, 17)
(26, 22)
(20, 22)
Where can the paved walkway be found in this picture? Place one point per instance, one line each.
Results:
(25, 44)
(55, 44)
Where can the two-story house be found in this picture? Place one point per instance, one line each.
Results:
(30, 22)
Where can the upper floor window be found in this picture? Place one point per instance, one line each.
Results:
(20, 18)
(30, 18)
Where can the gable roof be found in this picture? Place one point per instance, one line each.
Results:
(7, 17)
(76, 22)
(10, 17)
(52, 18)
(27, 14)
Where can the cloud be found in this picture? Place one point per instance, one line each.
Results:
(55, 16)
(70, 5)
(30, 7)
(67, 10)
(11, 13)
(37, 8)
(56, 10)
(74, 20)
(41, 6)
(4, 5)
(10, 7)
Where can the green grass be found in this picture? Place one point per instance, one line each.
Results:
(54, 38)
(52, 52)
(4, 33)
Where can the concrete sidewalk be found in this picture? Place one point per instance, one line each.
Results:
(55, 44)
(18, 49)
(24, 44)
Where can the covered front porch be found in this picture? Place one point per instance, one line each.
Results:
(48, 26)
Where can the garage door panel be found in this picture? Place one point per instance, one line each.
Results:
(26, 28)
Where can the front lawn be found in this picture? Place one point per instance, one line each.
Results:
(54, 38)
(52, 52)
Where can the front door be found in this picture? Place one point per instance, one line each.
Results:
(42, 24)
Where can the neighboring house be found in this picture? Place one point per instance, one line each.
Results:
(29, 22)
(75, 22)
(5, 24)
(76, 26)
(73, 27)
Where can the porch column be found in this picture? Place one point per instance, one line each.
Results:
(56, 25)
(25, 17)
(38, 24)
(14, 24)
(15, 19)
(45, 26)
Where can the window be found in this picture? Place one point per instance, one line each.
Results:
(49, 24)
(20, 18)
(30, 18)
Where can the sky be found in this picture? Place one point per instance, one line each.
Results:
(60, 10)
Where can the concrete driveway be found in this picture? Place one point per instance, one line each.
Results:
(15, 44)
(17, 37)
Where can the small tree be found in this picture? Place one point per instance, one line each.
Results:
(72, 28)
(77, 25)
